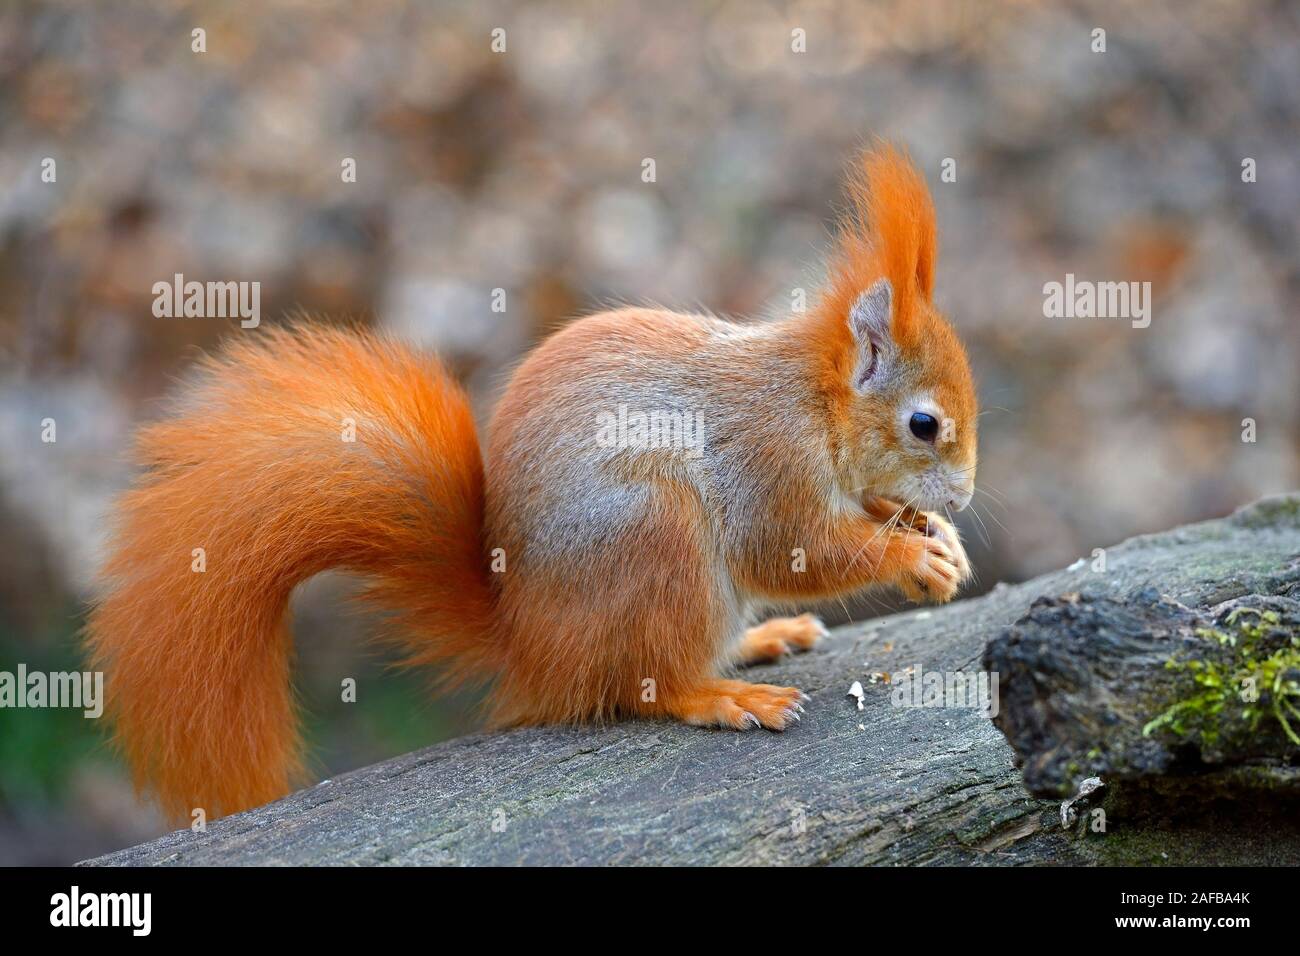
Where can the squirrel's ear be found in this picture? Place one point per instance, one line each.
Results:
(870, 319)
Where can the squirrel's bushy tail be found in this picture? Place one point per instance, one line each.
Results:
(302, 452)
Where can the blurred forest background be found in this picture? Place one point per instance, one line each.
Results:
(521, 170)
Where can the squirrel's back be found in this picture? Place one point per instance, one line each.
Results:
(620, 399)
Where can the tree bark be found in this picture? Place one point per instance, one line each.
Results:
(885, 784)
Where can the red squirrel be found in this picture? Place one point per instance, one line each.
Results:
(582, 580)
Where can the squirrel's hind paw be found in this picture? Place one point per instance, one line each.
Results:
(773, 639)
(738, 705)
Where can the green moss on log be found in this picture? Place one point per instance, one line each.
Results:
(1259, 682)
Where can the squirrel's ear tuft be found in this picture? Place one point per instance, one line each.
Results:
(885, 246)
(891, 229)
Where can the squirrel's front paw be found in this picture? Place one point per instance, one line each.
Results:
(946, 531)
(937, 565)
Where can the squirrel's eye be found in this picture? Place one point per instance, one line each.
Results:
(924, 427)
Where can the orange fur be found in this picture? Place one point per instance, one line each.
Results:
(889, 231)
(628, 575)
(252, 467)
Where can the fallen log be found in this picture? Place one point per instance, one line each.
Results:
(886, 783)
(1148, 689)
